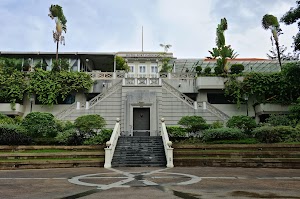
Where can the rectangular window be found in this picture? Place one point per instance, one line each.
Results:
(142, 69)
(131, 68)
(154, 69)
(218, 98)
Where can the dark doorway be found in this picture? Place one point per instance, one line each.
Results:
(141, 121)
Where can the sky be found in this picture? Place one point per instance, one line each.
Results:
(116, 25)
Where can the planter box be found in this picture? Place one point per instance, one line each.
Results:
(6, 109)
(210, 83)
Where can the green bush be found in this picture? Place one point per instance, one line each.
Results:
(89, 125)
(4, 119)
(207, 70)
(237, 68)
(176, 131)
(40, 125)
(216, 125)
(279, 120)
(199, 70)
(11, 134)
(70, 137)
(245, 123)
(222, 134)
(193, 123)
(270, 134)
(218, 70)
(100, 138)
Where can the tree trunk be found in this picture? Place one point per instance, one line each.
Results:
(57, 51)
(278, 51)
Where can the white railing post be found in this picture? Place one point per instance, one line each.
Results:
(111, 145)
(87, 104)
(195, 105)
(204, 105)
(159, 81)
(77, 105)
(148, 81)
(135, 81)
(114, 75)
(169, 75)
(167, 144)
(123, 81)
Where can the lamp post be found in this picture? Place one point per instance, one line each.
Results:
(31, 102)
(246, 97)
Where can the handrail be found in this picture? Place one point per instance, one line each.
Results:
(217, 112)
(178, 94)
(65, 112)
(104, 94)
(167, 144)
(111, 144)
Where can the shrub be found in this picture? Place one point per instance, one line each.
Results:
(70, 137)
(207, 70)
(100, 138)
(216, 125)
(222, 134)
(193, 123)
(198, 69)
(40, 125)
(4, 119)
(11, 134)
(237, 68)
(270, 134)
(279, 120)
(176, 131)
(218, 70)
(245, 123)
(89, 125)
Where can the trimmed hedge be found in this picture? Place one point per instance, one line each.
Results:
(245, 123)
(270, 134)
(222, 134)
(13, 135)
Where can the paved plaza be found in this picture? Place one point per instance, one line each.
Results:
(148, 182)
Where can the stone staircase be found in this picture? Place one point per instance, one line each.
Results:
(139, 151)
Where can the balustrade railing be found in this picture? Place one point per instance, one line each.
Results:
(111, 145)
(178, 94)
(141, 82)
(167, 144)
(215, 111)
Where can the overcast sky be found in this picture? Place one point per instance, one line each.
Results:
(116, 25)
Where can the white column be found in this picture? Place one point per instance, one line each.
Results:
(204, 105)
(148, 81)
(169, 75)
(135, 81)
(195, 105)
(123, 81)
(159, 81)
(77, 105)
(78, 65)
(87, 105)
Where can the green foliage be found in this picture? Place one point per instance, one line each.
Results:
(199, 70)
(60, 65)
(12, 82)
(207, 70)
(222, 134)
(89, 125)
(216, 125)
(176, 131)
(70, 136)
(100, 138)
(279, 120)
(237, 68)
(193, 123)
(295, 111)
(121, 64)
(48, 86)
(57, 11)
(222, 52)
(41, 65)
(40, 125)
(11, 134)
(270, 134)
(4, 119)
(242, 122)
(291, 17)
(218, 70)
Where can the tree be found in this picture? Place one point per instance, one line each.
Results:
(270, 22)
(290, 17)
(284, 56)
(56, 13)
(222, 52)
(121, 64)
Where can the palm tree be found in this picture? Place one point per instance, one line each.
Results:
(271, 22)
(56, 13)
